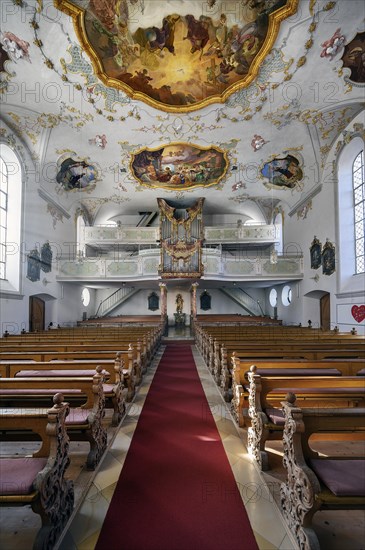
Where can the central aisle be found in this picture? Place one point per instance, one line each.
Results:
(176, 490)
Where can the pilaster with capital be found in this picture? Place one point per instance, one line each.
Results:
(194, 286)
(163, 291)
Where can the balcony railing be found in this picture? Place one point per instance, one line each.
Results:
(217, 266)
(150, 235)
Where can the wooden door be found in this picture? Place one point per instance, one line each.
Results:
(36, 314)
(325, 312)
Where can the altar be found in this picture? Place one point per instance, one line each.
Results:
(180, 318)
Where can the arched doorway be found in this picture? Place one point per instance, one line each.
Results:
(325, 311)
(320, 311)
(36, 313)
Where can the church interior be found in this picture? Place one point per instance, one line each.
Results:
(182, 290)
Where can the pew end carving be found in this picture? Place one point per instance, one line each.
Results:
(307, 488)
(50, 495)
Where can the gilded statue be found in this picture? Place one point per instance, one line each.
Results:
(179, 303)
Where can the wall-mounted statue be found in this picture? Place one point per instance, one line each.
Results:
(179, 303)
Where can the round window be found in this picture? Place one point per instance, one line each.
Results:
(85, 297)
(286, 295)
(273, 297)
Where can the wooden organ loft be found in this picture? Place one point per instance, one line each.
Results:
(181, 236)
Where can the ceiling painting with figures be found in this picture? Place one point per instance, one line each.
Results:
(179, 166)
(177, 56)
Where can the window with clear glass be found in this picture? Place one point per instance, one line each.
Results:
(11, 189)
(273, 297)
(85, 297)
(359, 211)
(286, 295)
(3, 215)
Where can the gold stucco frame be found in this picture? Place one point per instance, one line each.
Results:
(275, 20)
(160, 185)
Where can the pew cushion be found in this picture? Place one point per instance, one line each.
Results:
(37, 391)
(57, 372)
(298, 372)
(77, 416)
(327, 391)
(276, 416)
(342, 477)
(108, 388)
(18, 474)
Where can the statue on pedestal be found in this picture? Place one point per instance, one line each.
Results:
(179, 303)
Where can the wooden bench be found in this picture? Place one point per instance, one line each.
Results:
(146, 341)
(265, 393)
(280, 367)
(84, 423)
(316, 482)
(39, 480)
(218, 349)
(118, 387)
(292, 355)
(127, 359)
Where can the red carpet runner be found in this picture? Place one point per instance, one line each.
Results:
(176, 490)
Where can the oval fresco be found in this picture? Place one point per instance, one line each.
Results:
(177, 56)
(75, 174)
(179, 166)
(354, 58)
(282, 172)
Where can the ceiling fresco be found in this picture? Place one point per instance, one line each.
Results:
(177, 55)
(86, 138)
(179, 166)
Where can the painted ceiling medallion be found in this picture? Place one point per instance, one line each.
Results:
(354, 58)
(177, 56)
(179, 166)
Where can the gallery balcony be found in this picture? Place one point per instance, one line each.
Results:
(218, 265)
(109, 236)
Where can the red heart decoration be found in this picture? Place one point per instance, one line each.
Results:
(358, 313)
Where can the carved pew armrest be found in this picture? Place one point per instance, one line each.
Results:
(54, 506)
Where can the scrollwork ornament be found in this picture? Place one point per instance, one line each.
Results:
(258, 418)
(297, 495)
(98, 440)
(56, 494)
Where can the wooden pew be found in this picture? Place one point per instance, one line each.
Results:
(84, 423)
(117, 387)
(39, 481)
(217, 351)
(315, 482)
(277, 367)
(266, 392)
(293, 355)
(127, 360)
(147, 340)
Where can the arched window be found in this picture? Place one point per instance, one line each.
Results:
(10, 219)
(80, 235)
(358, 183)
(350, 218)
(3, 215)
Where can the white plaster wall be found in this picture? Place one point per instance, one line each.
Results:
(136, 305)
(69, 307)
(321, 221)
(38, 226)
(223, 304)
